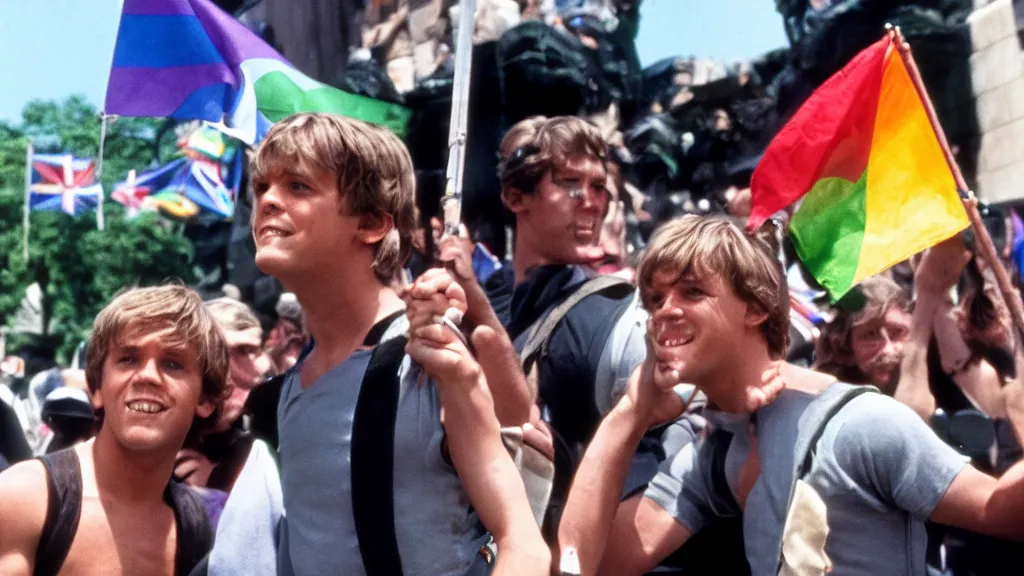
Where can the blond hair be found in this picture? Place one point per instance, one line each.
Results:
(373, 171)
(156, 308)
(709, 246)
(535, 146)
(833, 352)
(231, 314)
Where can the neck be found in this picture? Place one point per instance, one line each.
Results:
(341, 308)
(525, 259)
(125, 475)
(733, 384)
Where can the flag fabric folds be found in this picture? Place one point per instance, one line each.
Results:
(187, 59)
(207, 176)
(132, 193)
(872, 180)
(62, 182)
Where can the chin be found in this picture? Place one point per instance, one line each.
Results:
(139, 439)
(273, 262)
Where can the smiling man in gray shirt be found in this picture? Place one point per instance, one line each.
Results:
(828, 477)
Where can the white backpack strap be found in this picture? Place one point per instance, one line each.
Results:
(624, 350)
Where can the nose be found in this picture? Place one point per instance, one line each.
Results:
(269, 202)
(149, 371)
(262, 364)
(592, 197)
(888, 344)
(671, 307)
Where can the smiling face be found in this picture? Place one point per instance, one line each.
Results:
(560, 221)
(697, 325)
(151, 390)
(332, 196)
(302, 226)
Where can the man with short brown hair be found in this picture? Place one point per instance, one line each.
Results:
(365, 474)
(580, 335)
(859, 474)
(157, 368)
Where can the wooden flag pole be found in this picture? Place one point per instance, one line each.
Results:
(984, 240)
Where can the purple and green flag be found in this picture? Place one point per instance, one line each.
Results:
(187, 59)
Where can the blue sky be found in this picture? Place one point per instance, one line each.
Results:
(54, 48)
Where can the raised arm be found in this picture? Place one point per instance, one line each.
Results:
(593, 501)
(23, 504)
(513, 398)
(978, 502)
(596, 532)
(474, 442)
(934, 277)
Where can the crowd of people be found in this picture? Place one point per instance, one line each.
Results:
(422, 407)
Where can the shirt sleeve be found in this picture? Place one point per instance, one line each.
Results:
(681, 489)
(886, 448)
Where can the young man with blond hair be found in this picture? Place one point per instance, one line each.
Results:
(827, 477)
(373, 482)
(156, 370)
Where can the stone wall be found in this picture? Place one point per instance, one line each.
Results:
(997, 78)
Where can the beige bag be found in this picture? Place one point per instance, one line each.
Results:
(805, 533)
(534, 458)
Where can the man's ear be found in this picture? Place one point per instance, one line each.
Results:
(373, 228)
(514, 200)
(755, 316)
(205, 408)
(96, 399)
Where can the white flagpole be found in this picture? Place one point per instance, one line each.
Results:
(28, 187)
(451, 202)
(99, 170)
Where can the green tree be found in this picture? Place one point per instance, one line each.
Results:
(78, 267)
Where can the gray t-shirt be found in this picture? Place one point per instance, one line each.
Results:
(437, 531)
(879, 470)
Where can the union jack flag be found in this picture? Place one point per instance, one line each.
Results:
(63, 182)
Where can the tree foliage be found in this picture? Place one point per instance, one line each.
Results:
(78, 267)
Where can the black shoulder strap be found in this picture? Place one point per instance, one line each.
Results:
(195, 535)
(372, 460)
(541, 331)
(64, 509)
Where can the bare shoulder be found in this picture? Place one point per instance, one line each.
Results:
(806, 380)
(23, 490)
(23, 502)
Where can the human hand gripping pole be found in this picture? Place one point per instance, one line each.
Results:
(475, 441)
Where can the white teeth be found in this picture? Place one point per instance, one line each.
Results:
(146, 407)
(678, 341)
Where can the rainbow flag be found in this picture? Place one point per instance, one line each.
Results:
(188, 59)
(865, 163)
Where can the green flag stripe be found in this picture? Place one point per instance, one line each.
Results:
(278, 97)
(828, 231)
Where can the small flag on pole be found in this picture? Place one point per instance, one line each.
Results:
(62, 182)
